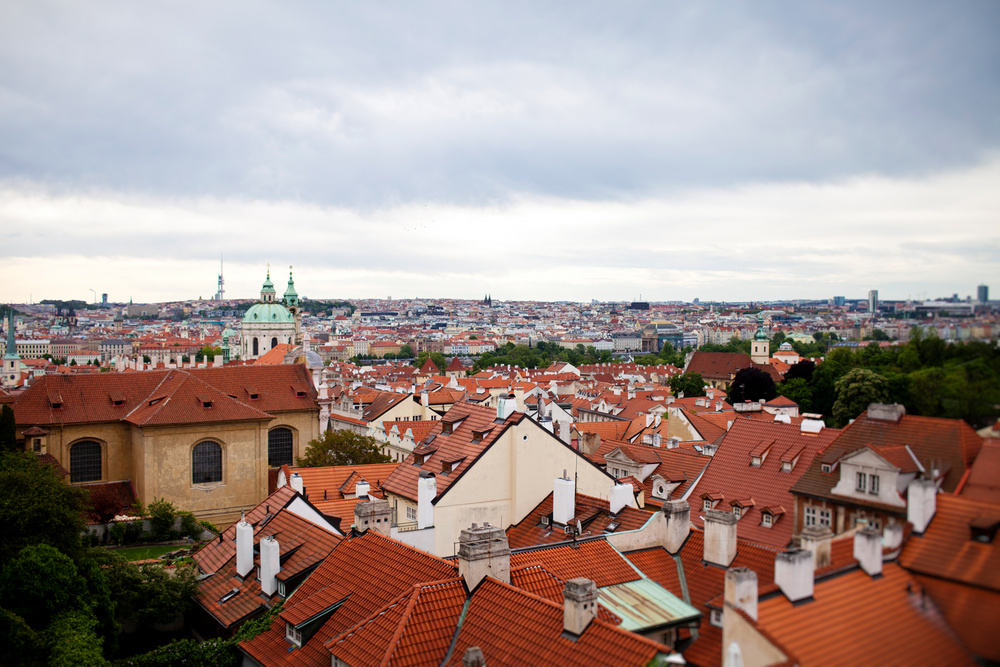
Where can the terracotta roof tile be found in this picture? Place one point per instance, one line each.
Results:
(597, 560)
(974, 613)
(855, 605)
(593, 513)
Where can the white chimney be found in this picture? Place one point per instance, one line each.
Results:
(868, 550)
(794, 572)
(361, 489)
(426, 492)
(579, 605)
(282, 480)
(720, 537)
(270, 565)
(244, 547)
(741, 590)
(505, 406)
(678, 516)
(621, 497)
(483, 551)
(921, 503)
(297, 484)
(892, 535)
(424, 399)
(818, 540)
(563, 499)
(718, 406)
(216, 360)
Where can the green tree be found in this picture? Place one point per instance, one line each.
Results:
(74, 642)
(340, 448)
(147, 593)
(208, 352)
(751, 384)
(38, 507)
(162, 514)
(40, 582)
(8, 430)
(692, 384)
(405, 352)
(798, 390)
(803, 369)
(856, 391)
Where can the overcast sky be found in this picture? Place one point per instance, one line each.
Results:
(550, 151)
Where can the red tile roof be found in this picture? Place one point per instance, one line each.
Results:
(718, 365)
(947, 549)
(414, 629)
(533, 633)
(856, 619)
(593, 513)
(731, 472)
(983, 481)
(949, 443)
(596, 560)
(974, 613)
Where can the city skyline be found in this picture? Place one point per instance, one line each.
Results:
(561, 153)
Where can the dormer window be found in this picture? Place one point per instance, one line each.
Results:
(766, 520)
(786, 466)
(446, 467)
(293, 634)
(418, 459)
(206, 404)
(755, 461)
(446, 428)
(737, 511)
(826, 467)
(477, 436)
(706, 504)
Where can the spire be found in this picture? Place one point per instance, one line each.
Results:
(11, 343)
(291, 296)
(267, 289)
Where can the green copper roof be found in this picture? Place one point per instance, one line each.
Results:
(644, 604)
(268, 285)
(760, 335)
(267, 313)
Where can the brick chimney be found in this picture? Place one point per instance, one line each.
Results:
(678, 516)
(244, 547)
(483, 552)
(720, 537)
(270, 565)
(794, 573)
(868, 550)
(818, 540)
(921, 503)
(579, 605)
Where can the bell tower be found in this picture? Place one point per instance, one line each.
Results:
(11, 359)
(760, 346)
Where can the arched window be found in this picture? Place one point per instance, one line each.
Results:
(85, 462)
(274, 343)
(255, 350)
(279, 447)
(206, 463)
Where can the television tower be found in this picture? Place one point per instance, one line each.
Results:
(220, 293)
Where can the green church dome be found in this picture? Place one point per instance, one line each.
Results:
(267, 313)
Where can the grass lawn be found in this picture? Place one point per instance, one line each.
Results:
(145, 553)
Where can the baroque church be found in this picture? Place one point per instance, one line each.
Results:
(269, 322)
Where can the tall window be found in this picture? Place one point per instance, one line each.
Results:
(862, 478)
(274, 343)
(810, 519)
(85, 462)
(255, 347)
(279, 447)
(206, 463)
(873, 486)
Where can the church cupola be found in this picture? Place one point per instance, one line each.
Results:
(760, 347)
(267, 290)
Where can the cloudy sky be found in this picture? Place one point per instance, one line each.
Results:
(551, 151)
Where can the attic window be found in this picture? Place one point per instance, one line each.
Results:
(300, 393)
(984, 529)
(206, 403)
(716, 618)
(446, 428)
(786, 466)
(766, 520)
(737, 511)
(755, 461)
(707, 504)
(230, 595)
(826, 467)
(418, 459)
(293, 634)
(447, 466)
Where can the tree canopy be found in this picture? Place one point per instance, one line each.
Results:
(341, 448)
(856, 391)
(751, 384)
(691, 384)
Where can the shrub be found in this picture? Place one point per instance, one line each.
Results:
(117, 531)
(161, 519)
(190, 526)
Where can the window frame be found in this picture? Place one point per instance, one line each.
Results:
(290, 444)
(78, 477)
(860, 482)
(195, 463)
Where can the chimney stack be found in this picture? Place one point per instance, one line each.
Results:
(892, 535)
(794, 573)
(505, 406)
(361, 489)
(473, 657)
(868, 550)
(244, 547)
(579, 605)
(818, 540)
(376, 514)
(621, 497)
(426, 492)
(678, 516)
(297, 484)
(563, 499)
(741, 590)
(270, 565)
(921, 503)
(720, 537)
(483, 551)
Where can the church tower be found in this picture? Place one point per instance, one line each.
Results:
(11, 359)
(291, 302)
(760, 346)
